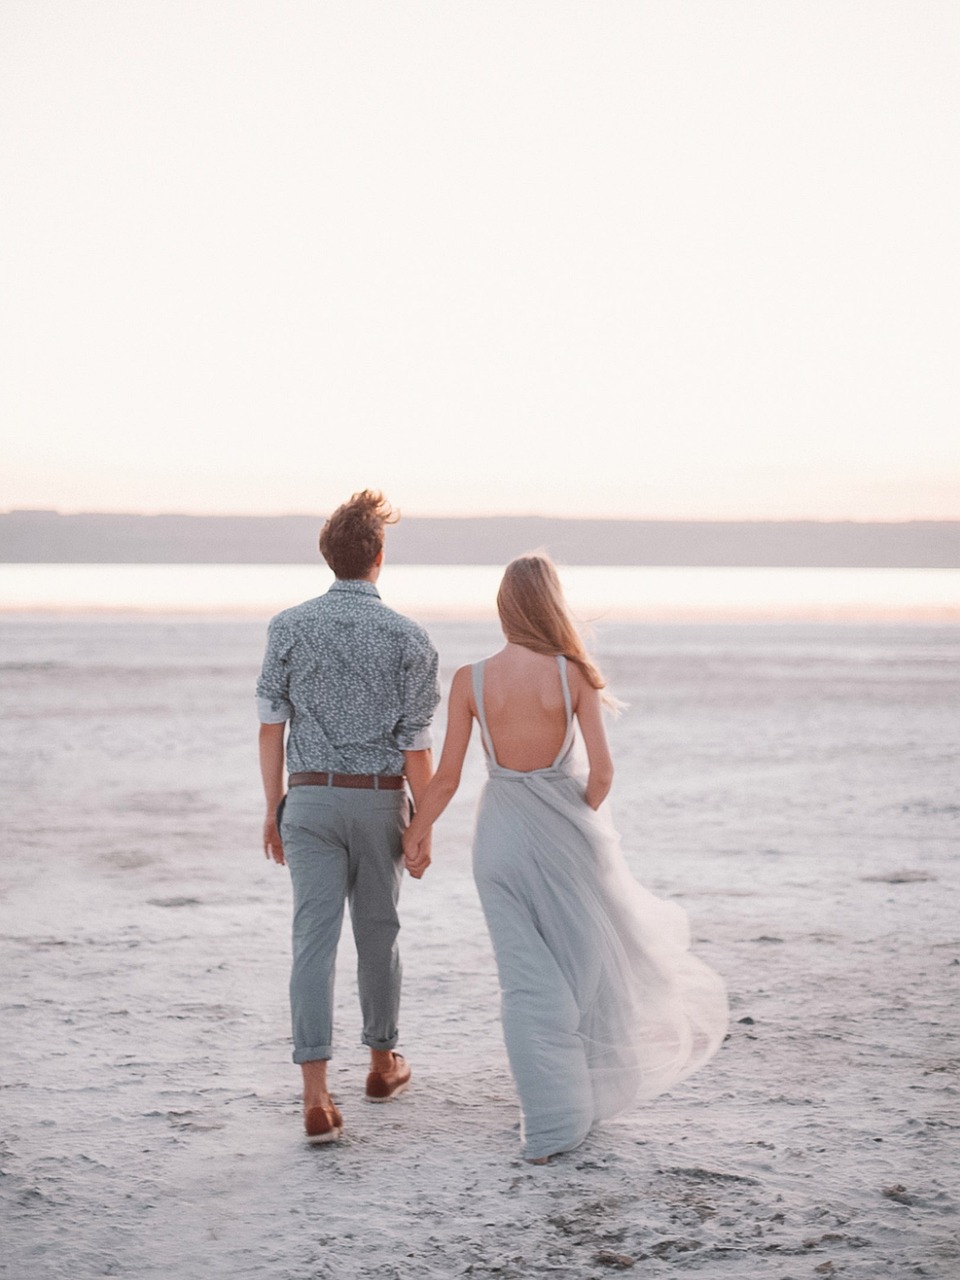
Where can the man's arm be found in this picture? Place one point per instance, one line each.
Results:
(271, 771)
(274, 710)
(419, 696)
(418, 767)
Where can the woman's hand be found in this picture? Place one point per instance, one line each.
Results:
(417, 847)
(587, 707)
(598, 787)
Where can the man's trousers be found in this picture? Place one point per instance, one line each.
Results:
(344, 845)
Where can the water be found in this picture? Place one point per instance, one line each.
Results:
(469, 591)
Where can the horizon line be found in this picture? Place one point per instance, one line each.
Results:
(498, 515)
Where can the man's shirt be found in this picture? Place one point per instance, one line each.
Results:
(357, 681)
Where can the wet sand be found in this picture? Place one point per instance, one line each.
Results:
(793, 786)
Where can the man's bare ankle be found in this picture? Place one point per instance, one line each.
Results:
(315, 1091)
(381, 1060)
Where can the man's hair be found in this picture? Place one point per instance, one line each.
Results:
(352, 537)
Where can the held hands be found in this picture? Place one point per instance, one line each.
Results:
(417, 845)
(272, 844)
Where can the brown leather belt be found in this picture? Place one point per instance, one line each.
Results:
(366, 781)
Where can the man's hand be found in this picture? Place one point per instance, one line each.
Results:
(416, 852)
(272, 844)
(271, 770)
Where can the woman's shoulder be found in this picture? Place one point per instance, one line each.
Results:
(462, 679)
(461, 688)
(580, 687)
(575, 677)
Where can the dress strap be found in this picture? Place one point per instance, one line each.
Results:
(476, 671)
(567, 702)
(568, 706)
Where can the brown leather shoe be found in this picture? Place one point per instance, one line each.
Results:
(384, 1085)
(323, 1124)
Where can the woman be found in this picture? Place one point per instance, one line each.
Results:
(602, 1003)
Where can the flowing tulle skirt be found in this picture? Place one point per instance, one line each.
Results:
(602, 1003)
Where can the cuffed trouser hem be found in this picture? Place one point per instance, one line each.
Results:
(313, 1054)
(381, 1044)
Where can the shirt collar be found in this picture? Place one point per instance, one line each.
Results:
(355, 586)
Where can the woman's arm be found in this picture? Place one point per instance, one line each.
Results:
(589, 712)
(418, 770)
(443, 785)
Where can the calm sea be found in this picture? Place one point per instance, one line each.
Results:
(468, 591)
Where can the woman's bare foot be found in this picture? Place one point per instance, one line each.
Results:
(540, 1160)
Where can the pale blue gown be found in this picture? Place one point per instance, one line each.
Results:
(602, 1003)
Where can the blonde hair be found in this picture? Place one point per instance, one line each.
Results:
(533, 613)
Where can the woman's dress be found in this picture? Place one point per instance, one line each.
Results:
(602, 1003)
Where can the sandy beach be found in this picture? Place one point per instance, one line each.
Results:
(794, 786)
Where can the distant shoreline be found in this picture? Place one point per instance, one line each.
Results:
(47, 537)
(461, 593)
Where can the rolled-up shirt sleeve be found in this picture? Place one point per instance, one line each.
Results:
(420, 695)
(273, 702)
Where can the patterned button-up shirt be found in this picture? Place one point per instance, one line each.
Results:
(357, 681)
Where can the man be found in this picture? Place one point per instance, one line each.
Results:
(357, 683)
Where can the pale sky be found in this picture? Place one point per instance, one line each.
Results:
(676, 259)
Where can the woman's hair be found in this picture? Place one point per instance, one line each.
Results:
(352, 537)
(534, 613)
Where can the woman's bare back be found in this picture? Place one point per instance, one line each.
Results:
(524, 707)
